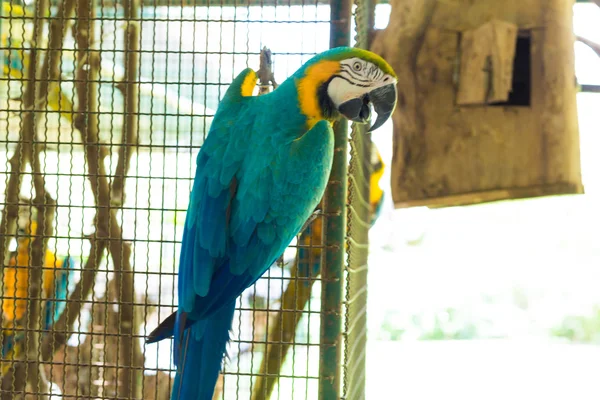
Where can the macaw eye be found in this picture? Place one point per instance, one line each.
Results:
(357, 66)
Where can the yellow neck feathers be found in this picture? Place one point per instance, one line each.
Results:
(308, 87)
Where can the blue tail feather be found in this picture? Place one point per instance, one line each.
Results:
(56, 305)
(199, 353)
(8, 343)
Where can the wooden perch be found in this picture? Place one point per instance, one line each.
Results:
(107, 225)
(11, 206)
(129, 88)
(46, 206)
(58, 336)
(283, 329)
(51, 73)
(266, 79)
(25, 151)
(130, 350)
(28, 150)
(105, 222)
(590, 43)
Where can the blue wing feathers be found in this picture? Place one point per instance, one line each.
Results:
(212, 223)
(266, 233)
(187, 294)
(56, 305)
(241, 230)
(228, 171)
(202, 276)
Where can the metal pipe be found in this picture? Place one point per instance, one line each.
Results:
(334, 233)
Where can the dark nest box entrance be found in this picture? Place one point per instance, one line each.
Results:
(520, 90)
(486, 100)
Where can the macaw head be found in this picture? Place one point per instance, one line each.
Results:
(350, 82)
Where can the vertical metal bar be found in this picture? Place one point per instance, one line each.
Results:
(359, 221)
(335, 231)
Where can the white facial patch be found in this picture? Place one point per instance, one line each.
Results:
(340, 91)
(356, 78)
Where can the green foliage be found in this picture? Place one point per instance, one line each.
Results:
(447, 324)
(580, 328)
(450, 325)
(391, 327)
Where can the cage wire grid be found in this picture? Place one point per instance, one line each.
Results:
(357, 236)
(105, 105)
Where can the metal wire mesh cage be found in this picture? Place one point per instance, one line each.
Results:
(105, 105)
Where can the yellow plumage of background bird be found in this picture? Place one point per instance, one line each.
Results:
(55, 281)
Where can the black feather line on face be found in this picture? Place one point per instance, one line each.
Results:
(327, 107)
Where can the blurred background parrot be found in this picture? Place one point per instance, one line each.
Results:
(376, 194)
(259, 176)
(12, 39)
(55, 282)
(15, 37)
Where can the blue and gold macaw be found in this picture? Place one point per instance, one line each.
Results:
(55, 281)
(260, 174)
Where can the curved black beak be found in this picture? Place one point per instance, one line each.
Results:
(357, 110)
(384, 103)
(383, 100)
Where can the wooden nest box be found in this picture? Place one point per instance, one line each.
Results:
(486, 100)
